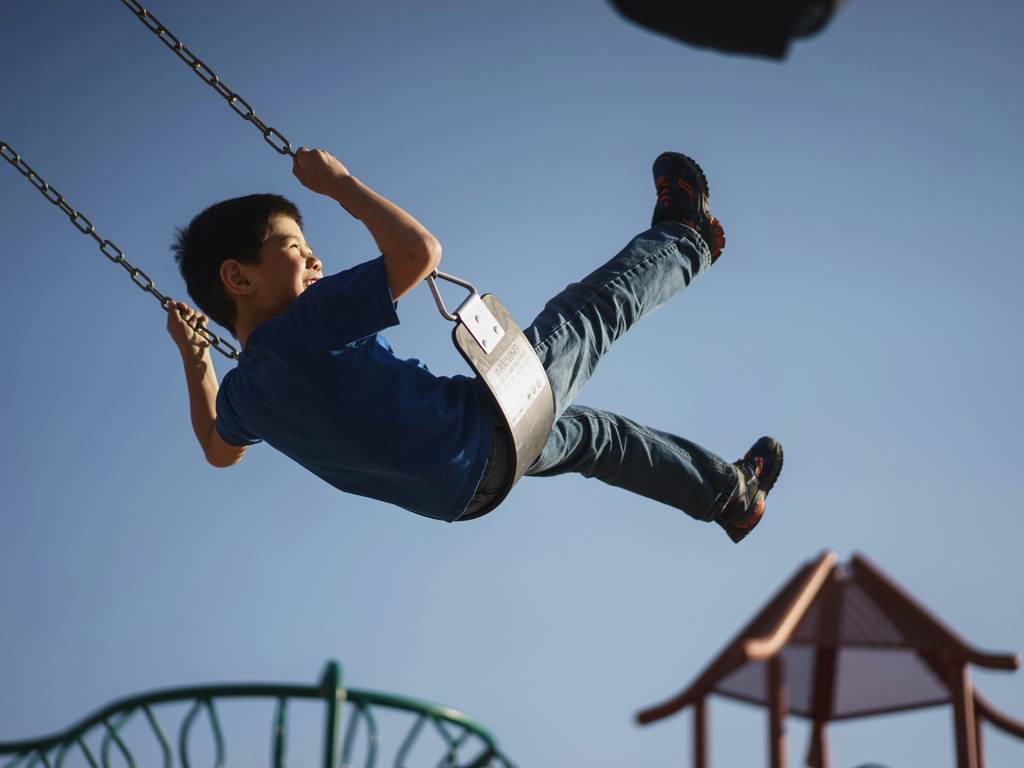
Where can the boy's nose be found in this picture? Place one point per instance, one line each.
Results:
(312, 262)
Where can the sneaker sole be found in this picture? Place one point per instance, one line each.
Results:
(767, 483)
(712, 231)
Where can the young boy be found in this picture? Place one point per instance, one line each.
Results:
(317, 381)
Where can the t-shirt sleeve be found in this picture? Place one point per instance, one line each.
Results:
(227, 424)
(355, 303)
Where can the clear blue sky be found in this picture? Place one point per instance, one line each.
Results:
(866, 311)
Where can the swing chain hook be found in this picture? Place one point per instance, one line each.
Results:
(432, 279)
(107, 247)
(472, 313)
(238, 105)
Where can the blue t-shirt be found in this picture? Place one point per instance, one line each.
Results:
(320, 384)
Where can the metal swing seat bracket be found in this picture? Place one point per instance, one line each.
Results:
(504, 360)
(482, 325)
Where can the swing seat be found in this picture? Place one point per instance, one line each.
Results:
(504, 360)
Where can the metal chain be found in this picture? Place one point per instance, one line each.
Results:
(108, 248)
(240, 106)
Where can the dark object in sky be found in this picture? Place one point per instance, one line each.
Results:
(760, 27)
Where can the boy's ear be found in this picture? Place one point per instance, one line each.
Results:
(234, 278)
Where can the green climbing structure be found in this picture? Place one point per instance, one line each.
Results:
(353, 731)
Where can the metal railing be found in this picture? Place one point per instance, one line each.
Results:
(352, 732)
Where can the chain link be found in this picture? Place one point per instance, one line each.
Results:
(240, 106)
(111, 251)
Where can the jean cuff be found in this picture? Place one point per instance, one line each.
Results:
(723, 498)
(688, 233)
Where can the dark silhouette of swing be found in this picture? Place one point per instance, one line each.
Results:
(485, 334)
(752, 27)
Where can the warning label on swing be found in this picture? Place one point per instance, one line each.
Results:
(516, 379)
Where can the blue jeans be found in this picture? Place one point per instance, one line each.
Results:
(570, 336)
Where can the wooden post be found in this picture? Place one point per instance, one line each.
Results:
(777, 710)
(818, 755)
(828, 642)
(963, 717)
(979, 745)
(700, 734)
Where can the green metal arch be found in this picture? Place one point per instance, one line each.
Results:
(458, 732)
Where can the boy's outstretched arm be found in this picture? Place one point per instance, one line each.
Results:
(202, 385)
(410, 251)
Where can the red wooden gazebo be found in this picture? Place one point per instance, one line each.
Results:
(839, 642)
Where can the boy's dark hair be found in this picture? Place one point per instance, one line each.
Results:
(232, 229)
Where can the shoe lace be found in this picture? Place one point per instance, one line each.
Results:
(751, 470)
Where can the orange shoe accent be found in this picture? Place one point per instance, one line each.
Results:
(689, 190)
(756, 513)
(719, 233)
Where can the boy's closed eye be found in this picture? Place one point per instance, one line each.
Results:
(295, 244)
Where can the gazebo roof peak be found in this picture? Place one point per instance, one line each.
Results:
(853, 642)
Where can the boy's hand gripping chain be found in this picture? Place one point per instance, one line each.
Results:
(107, 247)
(238, 105)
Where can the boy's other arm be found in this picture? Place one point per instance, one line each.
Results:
(410, 252)
(202, 385)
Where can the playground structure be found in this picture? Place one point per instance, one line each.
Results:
(433, 735)
(839, 642)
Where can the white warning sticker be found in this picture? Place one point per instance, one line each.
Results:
(516, 379)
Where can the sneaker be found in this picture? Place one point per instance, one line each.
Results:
(683, 196)
(758, 471)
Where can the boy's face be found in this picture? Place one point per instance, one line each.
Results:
(286, 268)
